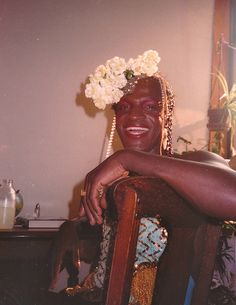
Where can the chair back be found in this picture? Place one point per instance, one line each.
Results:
(191, 247)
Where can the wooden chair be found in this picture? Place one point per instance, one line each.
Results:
(191, 249)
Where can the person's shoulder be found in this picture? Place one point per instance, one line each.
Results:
(203, 156)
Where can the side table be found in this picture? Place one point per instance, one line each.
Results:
(24, 263)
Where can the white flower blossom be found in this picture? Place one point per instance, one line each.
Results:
(100, 103)
(116, 65)
(105, 85)
(100, 72)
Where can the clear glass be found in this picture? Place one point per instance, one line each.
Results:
(7, 205)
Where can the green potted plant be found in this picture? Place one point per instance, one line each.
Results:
(228, 98)
(224, 116)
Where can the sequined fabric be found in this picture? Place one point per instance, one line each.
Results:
(152, 240)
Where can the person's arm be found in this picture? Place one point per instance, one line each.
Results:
(203, 178)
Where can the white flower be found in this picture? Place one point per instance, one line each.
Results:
(90, 90)
(117, 95)
(100, 72)
(116, 65)
(108, 80)
(149, 62)
(100, 103)
(151, 55)
(135, 65)
(118, 81)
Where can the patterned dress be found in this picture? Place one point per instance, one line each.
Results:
(152, 240)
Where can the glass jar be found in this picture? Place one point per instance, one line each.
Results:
(7, 205)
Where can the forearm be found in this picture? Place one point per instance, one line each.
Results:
(210, 188)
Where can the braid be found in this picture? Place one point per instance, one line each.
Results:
(168, 101)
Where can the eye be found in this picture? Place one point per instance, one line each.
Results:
(152, 106)
(122, 107)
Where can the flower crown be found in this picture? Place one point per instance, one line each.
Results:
(106, 84)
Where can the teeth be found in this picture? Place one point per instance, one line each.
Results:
(137, 130)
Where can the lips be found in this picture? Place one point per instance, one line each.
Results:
(136, 130)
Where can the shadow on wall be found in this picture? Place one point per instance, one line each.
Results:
(74, 203)
(91, 111)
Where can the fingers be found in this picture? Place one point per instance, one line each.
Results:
(91, 214)
(91, 201)
(92, 197)
(94, 215)
(90, 206)
(103, 202)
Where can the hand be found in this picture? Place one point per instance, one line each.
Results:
(96, 182)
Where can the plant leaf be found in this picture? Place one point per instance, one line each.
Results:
(232, 94)
(223, 83)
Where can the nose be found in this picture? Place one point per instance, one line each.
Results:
(136, 112)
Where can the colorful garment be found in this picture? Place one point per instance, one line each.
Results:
(152, 240)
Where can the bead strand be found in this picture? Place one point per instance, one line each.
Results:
(111, 137)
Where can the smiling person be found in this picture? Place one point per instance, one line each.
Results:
(143, 104)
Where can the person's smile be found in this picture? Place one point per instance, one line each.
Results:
(136, 131)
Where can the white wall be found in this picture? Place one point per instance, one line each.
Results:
(50, 135)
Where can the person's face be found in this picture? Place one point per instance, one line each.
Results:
(138, 117)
